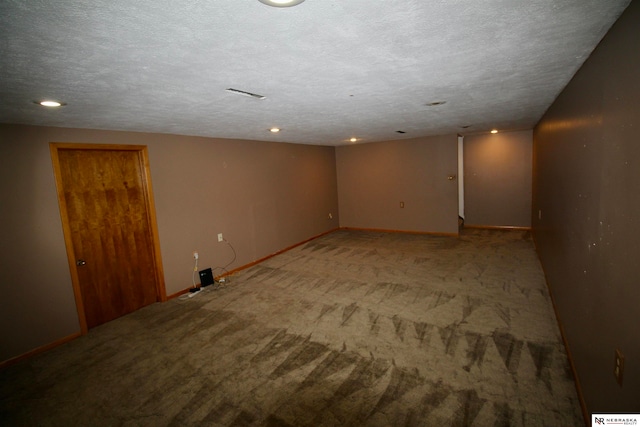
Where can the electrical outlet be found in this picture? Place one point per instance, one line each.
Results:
(618, 369)
(220, 238)
(330, 215)
(195, 255)
(401, 205)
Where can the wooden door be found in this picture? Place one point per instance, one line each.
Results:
(109, 224)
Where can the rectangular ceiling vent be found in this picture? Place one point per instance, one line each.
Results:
(242, 92)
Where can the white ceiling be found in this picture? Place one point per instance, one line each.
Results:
(330, 69)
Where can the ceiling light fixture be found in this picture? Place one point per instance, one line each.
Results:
(50, 103)
(494, 131)
(274, 130)
(353, 139)
(281, 3)
(436, 103)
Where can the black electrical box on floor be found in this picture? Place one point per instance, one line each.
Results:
(206, 277)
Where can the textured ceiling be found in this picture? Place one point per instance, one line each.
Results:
(330, 69)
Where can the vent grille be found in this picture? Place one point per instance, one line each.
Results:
(242, 92)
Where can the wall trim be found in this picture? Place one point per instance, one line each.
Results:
(258, 261)
(38, 350)
(574, 371)
(179, 293)
(41, 349)
(497, 227)
(383, 230)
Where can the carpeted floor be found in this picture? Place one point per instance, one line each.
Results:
(351, 329)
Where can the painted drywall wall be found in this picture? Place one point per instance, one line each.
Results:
(263, 197)
(373, 179)
(37, 305)
(585, 214)
(497, 179)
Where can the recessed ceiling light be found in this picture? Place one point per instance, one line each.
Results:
(50, 103)
(281, 3)
(436, 103)
(400, 131)
(353, 139)
(274, 130)
(494, 131)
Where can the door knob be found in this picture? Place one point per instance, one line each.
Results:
(80, 262)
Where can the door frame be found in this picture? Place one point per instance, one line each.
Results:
(143, 156)
(461, 176)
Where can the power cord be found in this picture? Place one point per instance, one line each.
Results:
(196, 290)
(195, 269)
(224, 269)
(190, 294)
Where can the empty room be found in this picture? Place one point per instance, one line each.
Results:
(319, 213)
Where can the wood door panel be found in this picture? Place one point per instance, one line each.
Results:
(109, 222)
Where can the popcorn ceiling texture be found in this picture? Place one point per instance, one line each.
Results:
(330, 69)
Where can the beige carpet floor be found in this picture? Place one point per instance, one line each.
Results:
(351, 329)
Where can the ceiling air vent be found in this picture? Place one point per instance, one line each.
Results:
(242, 92)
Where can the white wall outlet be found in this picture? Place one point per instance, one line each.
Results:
(220, 238)
(195, 255)
(330, 215)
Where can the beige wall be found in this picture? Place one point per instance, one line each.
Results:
(497, 179)
(374, 178)
(587, 190)
(262, 196)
